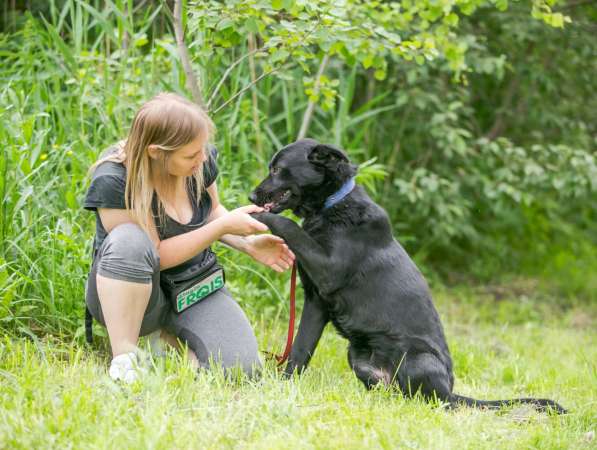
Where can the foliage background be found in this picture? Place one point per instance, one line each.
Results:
(474, 124)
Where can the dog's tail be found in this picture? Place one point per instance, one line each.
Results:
(541, 404)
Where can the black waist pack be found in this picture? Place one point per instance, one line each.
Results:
(187, 288)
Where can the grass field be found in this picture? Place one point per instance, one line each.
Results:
(56, 394)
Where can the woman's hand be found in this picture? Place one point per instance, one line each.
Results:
(271, 251)
(239, 222)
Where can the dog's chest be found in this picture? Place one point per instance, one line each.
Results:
(314, 227)
(339, 312)
(320, 231)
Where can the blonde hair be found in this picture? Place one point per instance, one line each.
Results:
(167, 122)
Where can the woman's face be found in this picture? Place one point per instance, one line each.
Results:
(187, 160)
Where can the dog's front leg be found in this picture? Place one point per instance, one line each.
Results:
(313, 321)
(311, 256)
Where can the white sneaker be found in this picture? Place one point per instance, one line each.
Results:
(126, 368)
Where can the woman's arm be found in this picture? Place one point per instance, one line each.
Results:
(234, 228)
(175, 250)
(268, 249)
(218, 210)
(178, 249)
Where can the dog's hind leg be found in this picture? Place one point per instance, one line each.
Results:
(370, 374)
(424, 372)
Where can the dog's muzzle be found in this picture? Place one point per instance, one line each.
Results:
(253, 198)
(270, 202)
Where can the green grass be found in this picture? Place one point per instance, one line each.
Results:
(56, 394)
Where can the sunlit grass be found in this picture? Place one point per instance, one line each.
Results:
(57, 394)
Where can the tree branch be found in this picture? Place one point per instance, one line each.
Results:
(311, 106)
(248, 86)
(252, 46)
(253, 82)
(499, 123)
(191, 79)
(227, 73)
(125, 36)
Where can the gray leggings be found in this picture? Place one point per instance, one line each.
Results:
(215, 328)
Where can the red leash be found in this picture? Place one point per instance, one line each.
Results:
(282, 358)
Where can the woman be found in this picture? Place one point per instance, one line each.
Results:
(157, 213)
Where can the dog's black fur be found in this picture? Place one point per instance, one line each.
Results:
(356, 275)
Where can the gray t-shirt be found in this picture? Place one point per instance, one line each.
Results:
(107, 191)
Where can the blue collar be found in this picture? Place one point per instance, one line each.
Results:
(346, 189)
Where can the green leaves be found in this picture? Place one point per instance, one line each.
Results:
(542, 11)
(277, 4)
(370, 172)
(387, 96)
(372, 34)
(502, 5)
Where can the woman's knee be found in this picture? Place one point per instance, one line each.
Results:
(128, 254)
(242, 356)
(217, 330)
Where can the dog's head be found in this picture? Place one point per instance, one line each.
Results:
(302, 176)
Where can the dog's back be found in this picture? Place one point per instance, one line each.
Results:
(384, 295)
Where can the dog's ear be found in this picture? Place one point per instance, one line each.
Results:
(327, 156)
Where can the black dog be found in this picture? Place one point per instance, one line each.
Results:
(356, 275)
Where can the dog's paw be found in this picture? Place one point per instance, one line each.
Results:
(276, 224)
(264, 217)
(286, 376)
